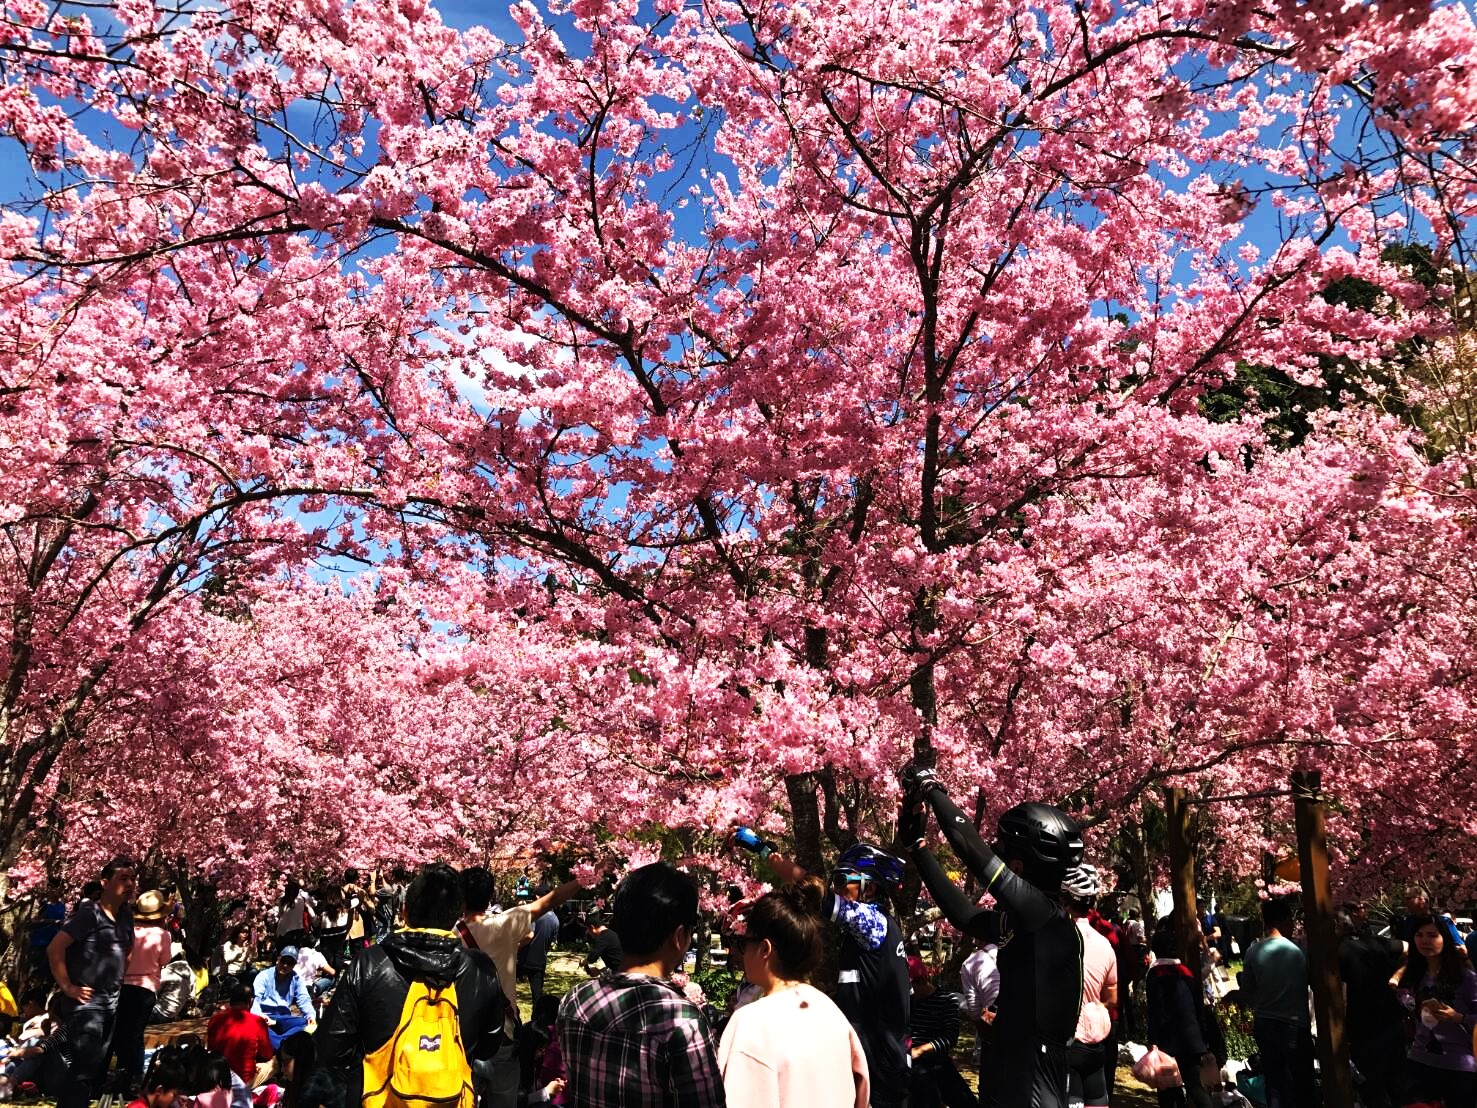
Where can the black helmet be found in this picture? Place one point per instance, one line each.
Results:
(869, 861)
(1045, 838)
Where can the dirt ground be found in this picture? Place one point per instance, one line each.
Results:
(1128, 1092)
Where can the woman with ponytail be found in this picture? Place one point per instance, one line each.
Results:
(792, 1047)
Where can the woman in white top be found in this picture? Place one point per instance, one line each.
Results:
(792, 1047)
(233, 957)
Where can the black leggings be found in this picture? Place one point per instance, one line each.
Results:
(1025, 1074)
(1085, 1079)
(135, 1005)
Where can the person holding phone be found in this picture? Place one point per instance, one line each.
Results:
(1441, 988)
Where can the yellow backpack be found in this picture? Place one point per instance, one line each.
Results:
(424, 1064)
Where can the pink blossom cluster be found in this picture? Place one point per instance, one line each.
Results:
(721, 405)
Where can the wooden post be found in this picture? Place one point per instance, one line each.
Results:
(1323, 951)
(1182, 882)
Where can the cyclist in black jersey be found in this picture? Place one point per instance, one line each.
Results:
(872, 987)
(1040, 959)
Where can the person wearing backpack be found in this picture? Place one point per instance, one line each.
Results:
(418, 1018)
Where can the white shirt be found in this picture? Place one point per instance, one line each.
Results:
(980, 980)
(793, 1049)
(233, 958)
(499, 935)
(310, 965)
(291, 917)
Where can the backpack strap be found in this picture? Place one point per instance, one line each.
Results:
(466, 933)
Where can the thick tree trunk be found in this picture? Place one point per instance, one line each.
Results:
(1182, 881)
(800, 788)
(921, 686)
(805, 821)
(1323, 958)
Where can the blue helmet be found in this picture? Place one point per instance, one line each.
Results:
(872, 863)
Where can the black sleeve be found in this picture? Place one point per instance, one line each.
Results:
(1394, 956)
(981, 923)
(1026, 906)
(483, 1028)
(337, 1037)
(965, 841)
(607, 949)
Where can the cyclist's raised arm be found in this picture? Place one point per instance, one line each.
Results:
(960, 834)
(981, 923)
(1046, 835)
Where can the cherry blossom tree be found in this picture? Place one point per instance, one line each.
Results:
(155, 449)
(824, 384)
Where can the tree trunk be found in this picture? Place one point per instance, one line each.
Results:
(1182, 882)
(1323, 958)
(922, 690)
(800, 788)
(805, 821)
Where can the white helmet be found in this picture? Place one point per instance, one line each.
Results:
(1082, 882)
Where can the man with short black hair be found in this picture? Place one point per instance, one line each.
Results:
(606, 954)
(370, 998)
(632, 1039)
(88, 957)
(1274, 980)
(1375, 1023)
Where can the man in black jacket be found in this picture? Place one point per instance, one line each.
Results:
(368, 1001)
(1175, 1019)
(1375, 1024)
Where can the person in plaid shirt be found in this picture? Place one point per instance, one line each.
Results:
(631, 1039)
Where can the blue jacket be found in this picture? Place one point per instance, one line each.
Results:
(272, 1004)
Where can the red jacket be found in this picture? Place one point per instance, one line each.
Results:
(240, 1036)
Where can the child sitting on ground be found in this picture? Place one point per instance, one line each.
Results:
(163, 1085)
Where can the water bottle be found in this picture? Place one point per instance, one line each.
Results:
(748, 839)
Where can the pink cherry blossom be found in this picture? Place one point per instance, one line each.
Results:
(420, 443)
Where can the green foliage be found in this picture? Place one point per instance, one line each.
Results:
(1288, 404)
(718, 984)
(1236, 1027)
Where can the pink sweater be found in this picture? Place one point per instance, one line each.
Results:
(149, 956)
(793, 1049)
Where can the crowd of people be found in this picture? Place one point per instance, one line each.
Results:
(404, 991)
